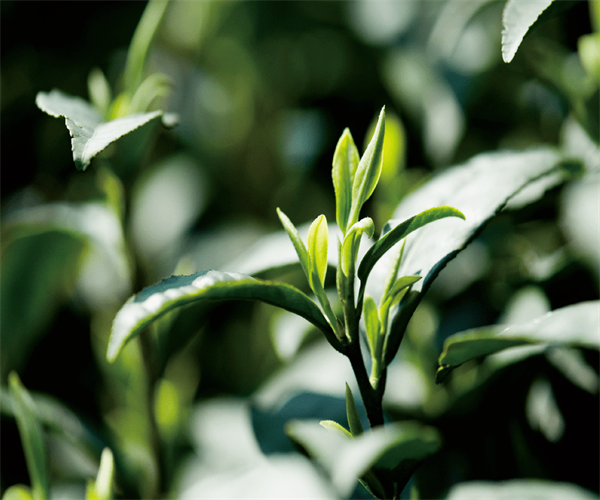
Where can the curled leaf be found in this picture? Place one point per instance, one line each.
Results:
(318, 242)
(345, 163)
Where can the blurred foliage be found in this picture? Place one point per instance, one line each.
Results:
(263, 90)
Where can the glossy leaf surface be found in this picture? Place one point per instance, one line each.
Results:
(354, 422)
(577, 326)
(90, 134)
(154, 301)
(318, 242)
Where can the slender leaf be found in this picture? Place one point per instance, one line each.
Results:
(32, 438)
(517, 18)
(99, 91)
(101, 488)
(301, 250)
(318, 242)
(368, 170)
(351, 243)
(393, 236)
(572, 326)
(372, 324)
(354, 423)
(390, 447)
(90, 134)
(345, 163)
(207, 286)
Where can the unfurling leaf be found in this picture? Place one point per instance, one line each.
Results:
(318, 242)
(345, 163)
(368, 171)
(354, 423)
(297, 242)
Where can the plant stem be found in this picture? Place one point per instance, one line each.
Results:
(148, 357)
(372, 398)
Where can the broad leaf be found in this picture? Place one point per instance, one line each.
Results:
(517, 18)
(207, 286)
(32, 438)
(345, 460)
(524, 489)
(90, 134)
(480, 189)
(577, 326)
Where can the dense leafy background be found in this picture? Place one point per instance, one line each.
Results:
(264, 90)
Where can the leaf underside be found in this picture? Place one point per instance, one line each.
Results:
(572, 326)
(207, 286)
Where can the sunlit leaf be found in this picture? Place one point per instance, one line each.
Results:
(101, 488)
(345, 163)
(368, 170)
(32, 438)
(526, 489)
(351, 243)
(318, 242)
(330, 425)
(90, 134)
(372, 324)
(572, 326)
(18, 492)
(207, 286)
(346, 460)
(517, 18)
(480, 189)
(299, 246)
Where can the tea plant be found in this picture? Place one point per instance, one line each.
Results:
(363, 312)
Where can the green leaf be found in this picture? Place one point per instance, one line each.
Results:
(392, 447)
(140, 43)
(101, 488)
(207, 286)
(330, 425)
(351, 244)
(318, 242)
(372, 324)
(517, 18)
(156, 85)
(354, 423)
(345, 163)
(480, 189)
(90, 134)
(18, 492)
(571, 326)
(32, 438)
(368, 170)
(99, 91)
(301, 250)
(520, 488)
(389, 239)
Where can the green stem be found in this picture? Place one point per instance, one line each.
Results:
(148, 357)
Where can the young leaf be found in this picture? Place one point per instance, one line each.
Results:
(351, 244)
(318, 242)
(32, 438)
(517, 18)
(301, 250)
(402, 230)
(208, 286)
(101, 488)
(345, 163)
(354, 423)
(90, 134)
(18, 492)
(372, 324)
(575, 325)
(368, 170)
(99, 91)
(330, 425)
